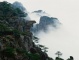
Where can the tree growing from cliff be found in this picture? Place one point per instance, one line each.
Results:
(43, 48)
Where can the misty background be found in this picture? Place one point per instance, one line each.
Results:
(66, 37)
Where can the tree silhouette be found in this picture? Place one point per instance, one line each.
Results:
(71, 58)
(58, 53)
(43, 48)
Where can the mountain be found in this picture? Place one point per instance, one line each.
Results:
(44, 23)
(40, 13)
(17, 4)
(16, 39)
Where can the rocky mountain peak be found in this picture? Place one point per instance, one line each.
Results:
(44, 23)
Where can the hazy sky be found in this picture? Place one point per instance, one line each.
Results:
(67, 11)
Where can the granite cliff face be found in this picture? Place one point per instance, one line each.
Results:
(16, 39)
(44, 23)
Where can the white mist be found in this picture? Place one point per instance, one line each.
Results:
(65, 39)
(60, 40)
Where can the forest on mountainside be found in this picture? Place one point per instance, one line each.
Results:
(17, 42)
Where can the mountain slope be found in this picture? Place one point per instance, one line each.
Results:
(16, 39)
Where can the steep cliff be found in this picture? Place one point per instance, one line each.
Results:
(16, 39)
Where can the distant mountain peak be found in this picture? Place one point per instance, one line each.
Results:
(40, 13)
(44, 23)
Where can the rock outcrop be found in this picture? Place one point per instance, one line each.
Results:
(44, 23)
(16, 39)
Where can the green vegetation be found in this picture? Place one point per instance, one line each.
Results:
(8, 52)
(8, 11)
(16, 40)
